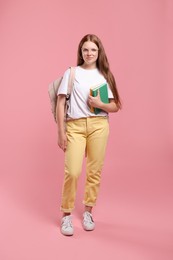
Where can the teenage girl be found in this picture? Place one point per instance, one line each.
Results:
(85, 132)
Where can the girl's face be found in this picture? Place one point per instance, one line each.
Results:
(89, 53)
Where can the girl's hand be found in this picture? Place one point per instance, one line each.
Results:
(62, 140)
(95, 101)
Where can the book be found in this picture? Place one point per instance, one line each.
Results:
(103, 96)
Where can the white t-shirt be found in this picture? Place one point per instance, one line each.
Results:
(83, 81)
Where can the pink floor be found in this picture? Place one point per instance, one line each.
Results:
(125, 229)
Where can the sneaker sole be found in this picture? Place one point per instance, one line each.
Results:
(88, 229)
(67, 234)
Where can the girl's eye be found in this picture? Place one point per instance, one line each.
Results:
(92, 50)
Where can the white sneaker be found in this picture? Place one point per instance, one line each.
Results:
(67, 226)
(88, 223)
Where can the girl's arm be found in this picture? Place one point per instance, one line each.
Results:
(110, 107)
(62, 139)
(96, 102)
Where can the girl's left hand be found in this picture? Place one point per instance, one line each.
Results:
(95, 101)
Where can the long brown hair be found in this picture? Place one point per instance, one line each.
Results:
(102, 64)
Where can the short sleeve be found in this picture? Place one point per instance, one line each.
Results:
(63, 88)
(110, 94)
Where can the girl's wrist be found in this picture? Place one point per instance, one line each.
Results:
(61, 130)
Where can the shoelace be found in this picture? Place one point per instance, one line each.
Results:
(67, 222)
(88, 218)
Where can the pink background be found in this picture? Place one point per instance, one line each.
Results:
(134, 212)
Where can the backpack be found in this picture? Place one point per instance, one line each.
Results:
(53, 89)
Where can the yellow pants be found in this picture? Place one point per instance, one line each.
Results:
(86, 134)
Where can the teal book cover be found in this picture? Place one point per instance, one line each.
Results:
(103, 96)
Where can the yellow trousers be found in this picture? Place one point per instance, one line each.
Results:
(86, 134)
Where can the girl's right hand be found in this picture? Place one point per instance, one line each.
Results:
(62, 141)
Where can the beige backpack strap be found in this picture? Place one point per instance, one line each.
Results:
(71, 80)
